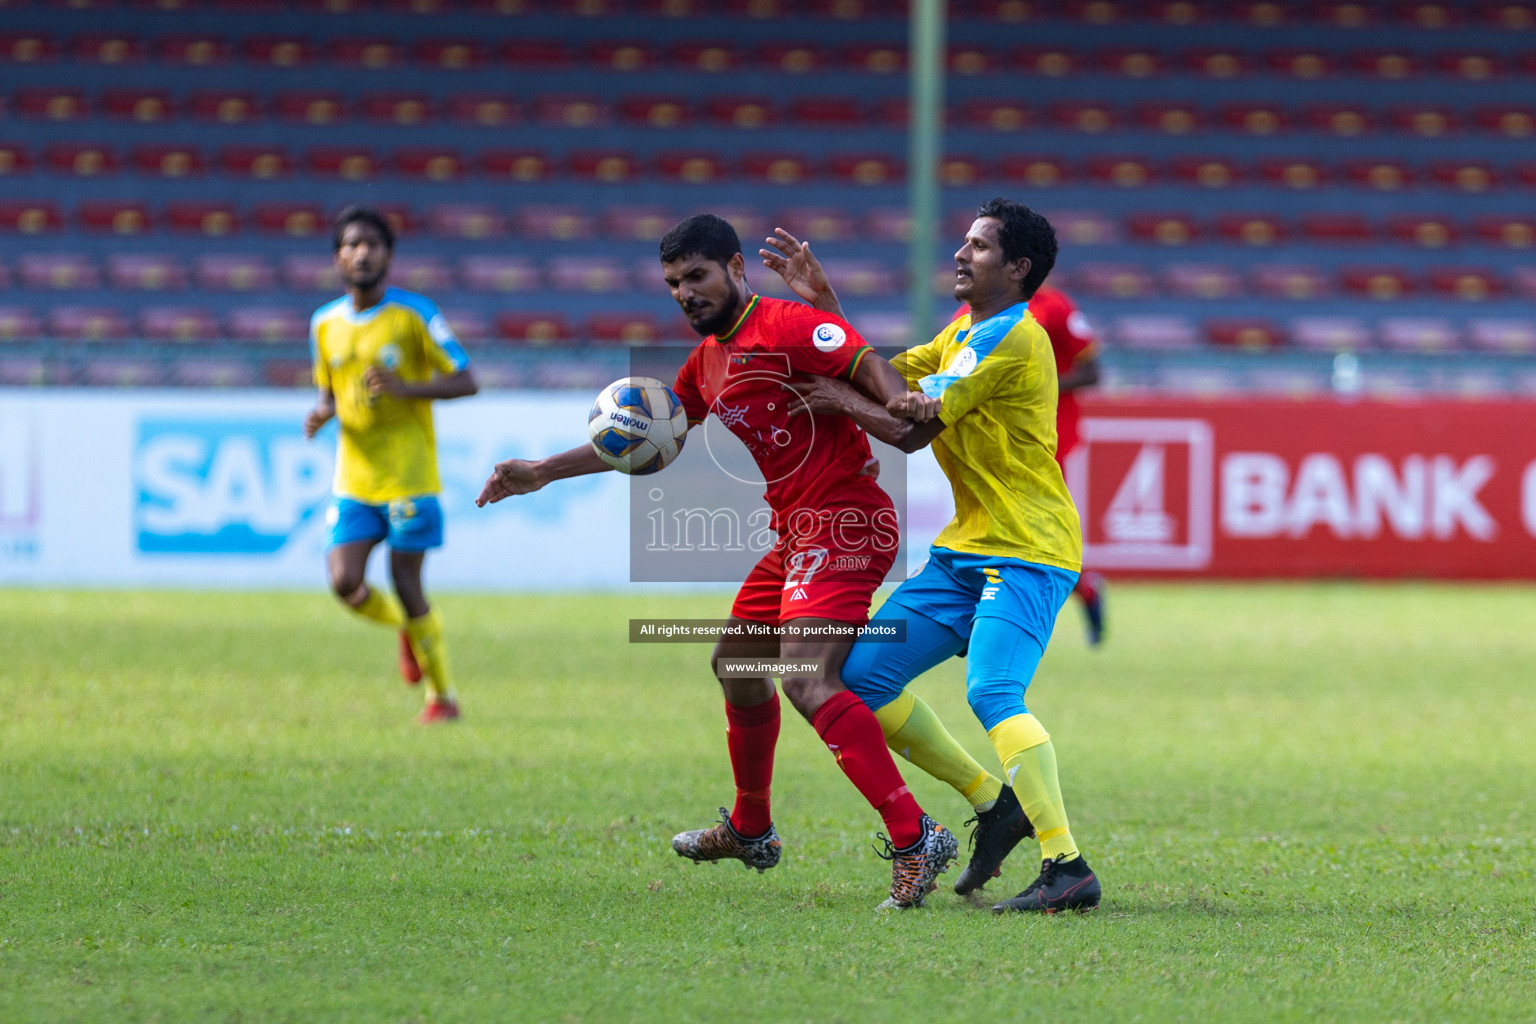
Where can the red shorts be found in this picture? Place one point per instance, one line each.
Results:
(829, 568)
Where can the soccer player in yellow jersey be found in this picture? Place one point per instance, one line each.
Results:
(983, 394)
(382, 356)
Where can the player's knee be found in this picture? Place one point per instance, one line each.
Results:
(868, 682)
(346, 583)
(994, 698)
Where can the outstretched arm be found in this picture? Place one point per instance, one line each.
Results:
(793, 260)
(523, 476)
(899, 422)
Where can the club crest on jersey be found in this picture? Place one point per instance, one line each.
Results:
(389, 356)
(963, 363)
(828, 337)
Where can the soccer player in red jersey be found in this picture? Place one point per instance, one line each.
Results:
(837, 538)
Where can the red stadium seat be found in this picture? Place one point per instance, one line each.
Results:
(1511, 122)
(432, 164)
(889, 224)
(1418, 334)
(995, 115)
(957, 171)
(1426, 122)
(26, 48)
(96, 48)
(622, 55)
(893, 112)
(451, 54)
(212, 220)
(346, 163)
(533, 328)
(637, 223)
(817, 223)
(866, 169)
(1089, 117)
(29, 218)
(143, 106)
(420, 273)
(1469, 284)
(693, 168)
(1299, 282)
(1202, 280)
(1217, 63)
(87, 323)
(570, 111)
(1051, 63)
(624, 329)
(1381, 175)
(82, 160)
(1335, 228)
(1037, 171)
(1524, 174)
(1163, 228)
(654, 111)
(1154, 332)
(1473, 67)
(1257, 229)
(1255, 118)
(1170, 118)
(146, 272)
(556, 223)
(968, 60)
(483, 109)
(1515, 17)
(827, 112)
(1524, 281)
(1512, 232)
(603, 166)
(468, 325)
(311, 272)
(711, 57)
(791, 58)
(355, 51)
(1394, 64)
(310, 107)
(589, 274)
(233, 272)
(273, 324)
(114, 216)
(178, 323)
(204, 372)
(192, 50)
(742, 111)
(466, 220)
(875, 59)
(113, 372)
(538, 54)
(1081, 227)
(404, 109)
(261, 162)
(1305, 64)
(1121, 171)
(278, 51)
(1178, 12)
(224, 107)
(168, 161)
(1207, 172)
(776, 168)
(1330, 334)
(748, 223)
(516, 164)
(19, 323)
(499, 274)
(1343, 121)
(1097, 12)
(296, 220)
(1464, 176)
(1133, 62)
(1507, 337)
(1115, 280)
(14, 159)
(1428, 15)
(1385, 284)
(1427, 232)
(1251, 334)
(1293, 172)
(57, 271)
(51, 104)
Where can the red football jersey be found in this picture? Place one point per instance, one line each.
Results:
(745, 377)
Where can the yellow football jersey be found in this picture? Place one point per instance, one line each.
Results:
(998, 446)
(387, 449)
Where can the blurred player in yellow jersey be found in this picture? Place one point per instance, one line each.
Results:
(382, 355)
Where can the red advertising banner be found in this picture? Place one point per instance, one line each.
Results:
(1308, 488)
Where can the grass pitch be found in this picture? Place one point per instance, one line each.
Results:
(1304, 802)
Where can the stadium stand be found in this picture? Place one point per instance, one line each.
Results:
(1253, 177)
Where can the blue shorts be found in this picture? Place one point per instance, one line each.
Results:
(954, 589)
(409, 524)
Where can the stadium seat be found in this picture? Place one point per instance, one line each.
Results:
(1113, 280)
(710, 57)
(869, 169)
(1468, 284)
(817, 223)
(1218, 63)
(1154, 332)
(427, 274)
(1202, 281)
(875, 58)
(1336, 228)
(1523, 280)
(1169, 118)
(451, 54)
(1464, 176)
(192, 50)
(956, 171)
(346, 163)
(168, 161)
(1163, 228)
(104, 48)
(1507, 337)
(431, 164)
(14, 159)
(208, 372)
(113, 216)
(1255, 118)
(1472, 67)
(1330, 334)
(654, 111)
(1293, 172)
(624, 329)
(887, 224)
(309, 107)
(1510, 122)
(516, 164)
(968, 60)
(18, 323)
(498, 274)
(1428, 15)
(689, 167)
(145, 106)
(1085, 116)
(260, 162)
(1257, 229)
(484, 109)
(212, 220)
(555, 223)
(287, 373)
(1381, 175)
(1343, 121)
(1524, 174)
(791, 58)
(29, 218)
(604, 166)
(278, 51)
(146, 272)
(1080, 227)
(1382, 283)
(375, 54)
(468, 325)
(1252, 334)
(178, 323)
(466, 220)
(27, 48)
(404, 109)
(864, 278)
(30, 371)
(1304, 64)
(311, 272)
(533, 328)
(1296, 281)
(1418, 334)
(1512, 232)
(637, 223)
(995, 115)
(837, 112)
(630, 55)
(537, 54)
(741, 111)
(1121, 171)
(776, 168)
(1035, 170)
(1047, 62)
(81, 160)
(590, 274)
(119, 372)
(1207, 171)
(1131, 62)
(570, 111)
(1391, 64)
(87, 323)
(233, 272)
(1427, 232)
(222, 106)
(1426, 122)
(270, 324)
(57, 271)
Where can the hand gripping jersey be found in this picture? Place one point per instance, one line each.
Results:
(998, 446)
(387, 450)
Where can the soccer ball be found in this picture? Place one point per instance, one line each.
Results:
(637, 425)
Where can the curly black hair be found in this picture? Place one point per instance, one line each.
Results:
(1023, 233)
(703, 234)
(362, 215)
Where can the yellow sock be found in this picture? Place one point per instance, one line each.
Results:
(426, 633)
(381, 607)
(1029, 762)
(915, 732)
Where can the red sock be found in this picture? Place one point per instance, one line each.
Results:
(1086, 587)
(750, 734)
(851, 731)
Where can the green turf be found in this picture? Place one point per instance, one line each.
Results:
(1305, 803)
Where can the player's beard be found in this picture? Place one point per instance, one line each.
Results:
(721, 321)
(371, 281)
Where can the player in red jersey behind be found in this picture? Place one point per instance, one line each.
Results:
(837, 537)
